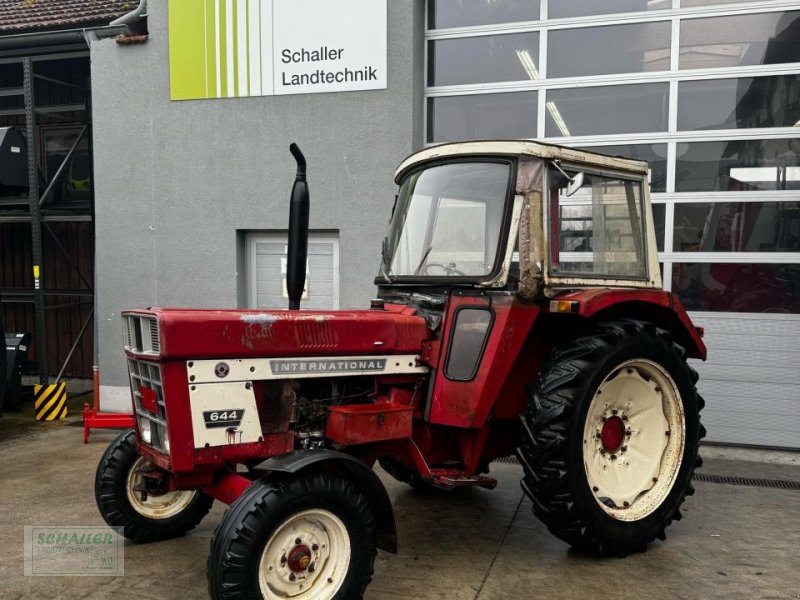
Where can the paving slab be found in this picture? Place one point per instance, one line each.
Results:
(471, 544)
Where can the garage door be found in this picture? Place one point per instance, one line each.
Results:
(267, 271)
(751, 381)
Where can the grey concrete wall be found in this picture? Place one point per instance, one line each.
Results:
(175, 181)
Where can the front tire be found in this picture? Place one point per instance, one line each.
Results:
(309, 537)
(611, 438)
(155, 518)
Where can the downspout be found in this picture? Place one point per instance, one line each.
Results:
(136, 15)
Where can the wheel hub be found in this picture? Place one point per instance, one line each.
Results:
(299, 558)
(612, 434)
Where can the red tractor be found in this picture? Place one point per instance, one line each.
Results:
(519, 311)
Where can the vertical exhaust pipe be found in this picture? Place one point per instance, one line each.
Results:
(298, 232)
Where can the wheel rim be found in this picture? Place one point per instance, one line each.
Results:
(307, 557)
(155, 506)
(633, 440)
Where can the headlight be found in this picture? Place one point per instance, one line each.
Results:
(144, 431)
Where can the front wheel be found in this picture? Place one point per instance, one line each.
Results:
(144, 517)
(611, 438)
(309, 537)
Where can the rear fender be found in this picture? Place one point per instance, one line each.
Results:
(661, 308)
(351, 468)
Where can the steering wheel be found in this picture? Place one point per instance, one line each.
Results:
(449, 269)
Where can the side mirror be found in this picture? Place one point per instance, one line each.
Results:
(575, 184)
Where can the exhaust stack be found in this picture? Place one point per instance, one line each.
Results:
(298, 232)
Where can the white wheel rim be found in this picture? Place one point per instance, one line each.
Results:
(633, 479)
(161, 506)
(324, 548)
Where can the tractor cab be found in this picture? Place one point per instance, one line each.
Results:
(522, 217)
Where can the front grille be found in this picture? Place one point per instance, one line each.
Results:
(140, 334)
(148, 375)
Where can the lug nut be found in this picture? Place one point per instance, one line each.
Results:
(613, 457)
(283, 559)
(298, 541)
(292, 577)
(624, 448)
(311, 568)
(613, 412)
(625, 504)
(624, 417)
(315, 547)
(595, 489)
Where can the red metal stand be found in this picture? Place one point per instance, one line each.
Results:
(94, 419)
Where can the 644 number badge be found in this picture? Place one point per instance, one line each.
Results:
(223, 418)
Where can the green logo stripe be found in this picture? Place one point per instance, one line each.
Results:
(187, 50)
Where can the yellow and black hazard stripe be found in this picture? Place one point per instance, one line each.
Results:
(50, 401)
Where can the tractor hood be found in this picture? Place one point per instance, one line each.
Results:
(172, 333)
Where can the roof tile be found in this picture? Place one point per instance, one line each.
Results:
(30, 15)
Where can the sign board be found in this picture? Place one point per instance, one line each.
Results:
(237, 48)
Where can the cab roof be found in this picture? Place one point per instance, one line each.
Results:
(517, 148)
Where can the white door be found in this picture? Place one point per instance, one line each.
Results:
(266, 254)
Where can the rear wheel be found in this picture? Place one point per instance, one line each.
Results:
(312, 537)
(611, 438)
(144, 517)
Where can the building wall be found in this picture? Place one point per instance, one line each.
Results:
(177, 183)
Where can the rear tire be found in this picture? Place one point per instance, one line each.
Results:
(602, 471)
(255, 552)
(154, 519)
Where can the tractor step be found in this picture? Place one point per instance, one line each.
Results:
(448, 479)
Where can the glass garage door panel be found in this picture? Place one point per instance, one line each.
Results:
(631, 48)
(607, 110)
(758, 39)
(466, 13)
(583, 8)
(735, 287)
(748, 102)
(483, 59)
(738, 165)
(737, 227)
(482, 116)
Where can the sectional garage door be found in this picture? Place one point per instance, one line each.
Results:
(751, 381)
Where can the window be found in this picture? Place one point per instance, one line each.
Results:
(464, 13)
(737, 227)
(448, 221)
(266, 255)
(757, 39)
(599, 228)
(739, 103)
(738, 165)
(607, 109)
(482, 116)
(654, 154)
(731, 287)
(492, 58)
(633, 48)
(470, 332)
(582, 8)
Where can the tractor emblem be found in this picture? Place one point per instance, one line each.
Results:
(221, 370)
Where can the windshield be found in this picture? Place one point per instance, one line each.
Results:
(447, 221)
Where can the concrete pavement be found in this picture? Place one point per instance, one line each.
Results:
(735, 542)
